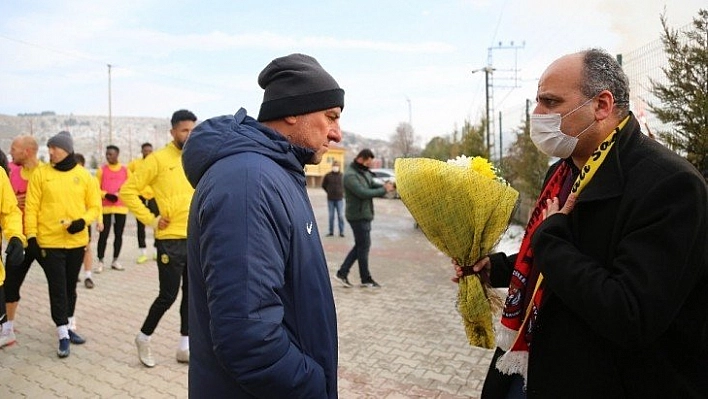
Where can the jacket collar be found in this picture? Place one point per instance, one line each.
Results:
(359, 167)
(609, 182)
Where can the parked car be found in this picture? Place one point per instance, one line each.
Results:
(383, 176)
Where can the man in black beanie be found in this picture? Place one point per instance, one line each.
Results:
(296, 85)
(62, 199)
(261, 311)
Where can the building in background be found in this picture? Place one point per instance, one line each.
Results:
(315, 173)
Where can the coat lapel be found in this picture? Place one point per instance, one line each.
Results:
(608, 182)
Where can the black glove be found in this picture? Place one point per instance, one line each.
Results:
(111, 197)
(14, 251)
(32, 248)
(76, 226)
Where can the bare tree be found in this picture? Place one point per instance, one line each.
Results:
(403, 141)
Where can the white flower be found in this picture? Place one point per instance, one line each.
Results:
(462, 161)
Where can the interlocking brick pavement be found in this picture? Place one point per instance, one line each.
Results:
(404, 340)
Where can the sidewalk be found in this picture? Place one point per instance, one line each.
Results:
(404, 340)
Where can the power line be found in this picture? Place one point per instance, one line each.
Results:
(145, 71)
(496, 28)
(64, 53)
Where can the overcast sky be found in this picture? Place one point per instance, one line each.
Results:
(396, 60)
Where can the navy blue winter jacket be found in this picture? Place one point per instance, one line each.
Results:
(261, 311)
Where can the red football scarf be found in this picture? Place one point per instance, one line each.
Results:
(526, 287)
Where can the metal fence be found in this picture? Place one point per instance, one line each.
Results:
(641, 66)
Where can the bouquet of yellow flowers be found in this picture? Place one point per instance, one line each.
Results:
(463, 207)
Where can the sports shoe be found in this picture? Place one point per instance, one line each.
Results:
(344, 280)
(330, 235)
(182, 355)
(7, 339)
(117, 266)
(99, 267)
(75, 338)
(144, 352)
(88, 283)
(370, 284)
(63, 350)
(142, 259)
(341, 234)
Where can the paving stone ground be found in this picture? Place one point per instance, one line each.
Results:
(404, 340)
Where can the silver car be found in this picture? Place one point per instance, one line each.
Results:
(383, 176)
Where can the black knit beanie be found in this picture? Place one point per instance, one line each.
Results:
(62, 140)
(294, 85)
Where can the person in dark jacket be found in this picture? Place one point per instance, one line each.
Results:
(618, 245)
(262, 315)
(360, 188)
(332, 184)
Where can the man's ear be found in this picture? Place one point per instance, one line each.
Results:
(290, 120)
(605, 105)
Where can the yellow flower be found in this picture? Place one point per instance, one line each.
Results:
(463, 208)
(483, 167)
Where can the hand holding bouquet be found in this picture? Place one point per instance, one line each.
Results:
(463, 208)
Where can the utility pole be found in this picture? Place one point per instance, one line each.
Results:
(110, 115)
(500, 137)
(528, 115)
(488, 91)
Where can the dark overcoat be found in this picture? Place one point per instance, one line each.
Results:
(625, 312)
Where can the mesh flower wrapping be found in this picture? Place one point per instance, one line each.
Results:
(463, 208)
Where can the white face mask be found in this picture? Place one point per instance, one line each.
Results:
(335, 169)
(549, 139)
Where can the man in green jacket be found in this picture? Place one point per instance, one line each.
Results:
(359, 191)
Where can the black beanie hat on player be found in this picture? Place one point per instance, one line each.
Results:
(295, 85)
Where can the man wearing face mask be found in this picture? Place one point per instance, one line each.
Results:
(332, 184)
(606, 294)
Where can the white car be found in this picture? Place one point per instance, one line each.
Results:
(383, 176)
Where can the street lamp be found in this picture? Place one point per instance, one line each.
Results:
(410, 114)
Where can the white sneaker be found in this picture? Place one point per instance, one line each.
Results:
(99, 267)
(8, 338)
(145, 352)
(183, 355)
(116, 266)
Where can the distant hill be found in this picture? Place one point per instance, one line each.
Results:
(91, 135)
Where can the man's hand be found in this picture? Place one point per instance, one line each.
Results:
(160, 223)
(76, 226)
(111, 197)
(389, 186)
(21, 200)
(483, 265)
(32, 247)
(553, 204)
(14, 251)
